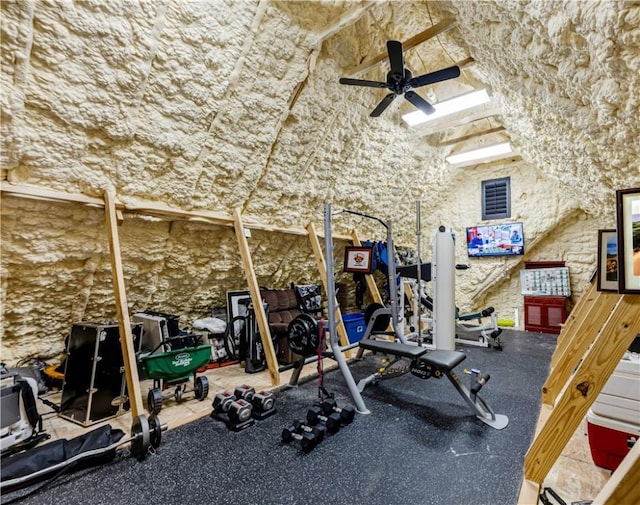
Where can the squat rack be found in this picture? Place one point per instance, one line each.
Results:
(333, 309)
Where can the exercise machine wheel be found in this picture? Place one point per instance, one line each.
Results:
(201, 388)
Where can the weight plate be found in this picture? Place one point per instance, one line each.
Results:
(140, 437)
(154, 401)
(303, 335)
(381, 322)
(155, 431)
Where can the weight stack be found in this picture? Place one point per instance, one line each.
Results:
(94, 386)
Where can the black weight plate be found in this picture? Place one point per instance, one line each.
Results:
(297, 335)
(140, 437)
(155, 431)
(382, 322)
(303, 335)
(154, 401)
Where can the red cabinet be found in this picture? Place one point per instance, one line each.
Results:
(544, 314)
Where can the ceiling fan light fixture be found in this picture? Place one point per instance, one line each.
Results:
(451, 106)
(480, 153)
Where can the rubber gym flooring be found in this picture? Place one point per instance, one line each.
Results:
(420, 445)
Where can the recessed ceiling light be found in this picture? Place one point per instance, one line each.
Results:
(447, 107)
(480, 153)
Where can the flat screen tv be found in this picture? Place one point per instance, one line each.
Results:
(495, 240)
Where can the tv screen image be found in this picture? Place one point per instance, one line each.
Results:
(495, 240)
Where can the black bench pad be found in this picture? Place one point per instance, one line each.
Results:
(393, 348)
(443, 360)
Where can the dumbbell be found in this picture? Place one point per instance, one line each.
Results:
(347, 413)
(263, 402)
(244, 392)
(222, 401)
(316, 415)
(318, 431)
(239, 411)
(307, 440)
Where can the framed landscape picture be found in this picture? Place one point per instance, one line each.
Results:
(607, 260)
(628, 232)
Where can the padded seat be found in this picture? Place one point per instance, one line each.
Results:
(393, 348)
(443, 360)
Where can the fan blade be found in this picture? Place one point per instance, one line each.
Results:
(437, 76)
(386, 101)
(394, 48)
(419, 102)
(361, 82)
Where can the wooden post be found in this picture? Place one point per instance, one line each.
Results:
(122, 310)
(577, 315)
(583, 333)
(582, 389)
(322, 268)
(622, 486)
(254, 290)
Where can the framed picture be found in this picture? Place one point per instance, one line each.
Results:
(358, 259)
(628, 217)
(607, 261)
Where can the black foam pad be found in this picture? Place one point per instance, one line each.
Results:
(443, 360)
(393, 348)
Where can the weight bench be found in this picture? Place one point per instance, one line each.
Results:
(433, 364)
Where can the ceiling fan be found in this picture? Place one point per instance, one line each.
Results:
(401, 82)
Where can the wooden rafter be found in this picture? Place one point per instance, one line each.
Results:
(470, 136)
(154, 209)
(421, 37)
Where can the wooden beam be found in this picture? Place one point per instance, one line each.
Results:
(594, 371)
(584, 331)
(458, 119)
(529, 493)
(322, 268)
(151, 208)
(421, 37)
(254, 290)
(39, 193)
(122, 310)
(470, 136)
(622, 486)
(577, 315)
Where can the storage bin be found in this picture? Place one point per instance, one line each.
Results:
(355, 326)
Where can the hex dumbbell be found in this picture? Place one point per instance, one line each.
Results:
(307, 440)
(316, 415)
(317, 431)
(346, 413)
